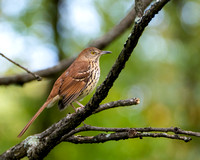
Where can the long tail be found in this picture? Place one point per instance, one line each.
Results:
(50, 102)
(33, 119)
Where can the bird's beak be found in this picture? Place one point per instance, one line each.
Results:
(105, 52)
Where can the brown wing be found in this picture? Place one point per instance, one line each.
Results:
(71, 83)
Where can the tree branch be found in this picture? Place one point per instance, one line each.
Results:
(175, 130)
(20, 79)
(29, 72)
(100, 43)
(100, 138)
(128, 102)
(136, 133)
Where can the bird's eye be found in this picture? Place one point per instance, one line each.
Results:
(92, 52)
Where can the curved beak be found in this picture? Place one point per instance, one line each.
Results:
(105, 52)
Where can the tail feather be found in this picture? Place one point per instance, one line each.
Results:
(48, 103)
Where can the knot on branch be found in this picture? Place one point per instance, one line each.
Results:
(176, 130)
(132, 133)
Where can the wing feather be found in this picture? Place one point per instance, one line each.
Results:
(71, 83)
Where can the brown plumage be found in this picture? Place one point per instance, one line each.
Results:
(75, 83)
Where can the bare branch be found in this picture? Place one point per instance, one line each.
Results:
(126, 133)
(33, 74)
(174, 130)
(100, 138)
(23, 78)
(128, 102)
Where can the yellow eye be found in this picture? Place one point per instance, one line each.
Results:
(92, 52)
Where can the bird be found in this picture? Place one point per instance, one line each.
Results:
(76, 82)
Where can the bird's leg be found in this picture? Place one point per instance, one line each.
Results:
(76, 109)
(79, 104)
(73, 107)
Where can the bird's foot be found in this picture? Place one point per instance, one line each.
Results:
(81, 106)
(78, 109)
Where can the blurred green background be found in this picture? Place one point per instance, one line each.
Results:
(164, 72)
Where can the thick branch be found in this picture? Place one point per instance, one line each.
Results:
(99, 43)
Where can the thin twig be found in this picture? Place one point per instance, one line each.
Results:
(33, 74)
(126, 133)
(175, 130)
(127, 102)
(23, 78)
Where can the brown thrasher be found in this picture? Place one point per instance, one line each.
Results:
(75, 83)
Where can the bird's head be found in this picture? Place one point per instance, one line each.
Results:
(92, 53)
